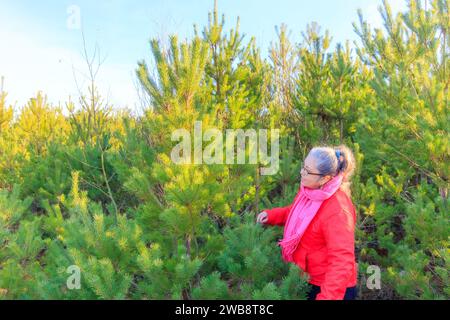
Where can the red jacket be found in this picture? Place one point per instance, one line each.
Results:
(327, 249)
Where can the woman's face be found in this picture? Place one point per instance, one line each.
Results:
(310, 176)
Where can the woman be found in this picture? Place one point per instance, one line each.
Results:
(320, 224)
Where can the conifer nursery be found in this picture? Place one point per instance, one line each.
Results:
(89, 189)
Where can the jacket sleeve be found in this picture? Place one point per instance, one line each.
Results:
(339, 233)
(278, 216)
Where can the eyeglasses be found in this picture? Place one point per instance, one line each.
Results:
(303, 169)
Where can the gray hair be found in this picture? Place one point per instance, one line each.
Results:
(328, 163)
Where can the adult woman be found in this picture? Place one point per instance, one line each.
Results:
(320, 224)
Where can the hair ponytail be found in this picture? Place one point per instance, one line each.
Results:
(346, 166)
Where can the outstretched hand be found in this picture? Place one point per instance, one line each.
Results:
(262, 218)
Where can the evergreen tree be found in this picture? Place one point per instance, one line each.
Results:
(212, 80)
(404, 137)
(8, 161)
(96, 196)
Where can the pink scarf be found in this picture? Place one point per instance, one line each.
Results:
(302, 212)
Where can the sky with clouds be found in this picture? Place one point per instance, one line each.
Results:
(42, 41)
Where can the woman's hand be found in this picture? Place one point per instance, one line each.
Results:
(262, 217)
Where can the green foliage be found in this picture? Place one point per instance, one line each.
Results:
(269, 292)
(250, 253)
(47, 177)
(211, 287)
(331, 90)
(21, 245)
(97, 190)
(166, 277)
(403, 135)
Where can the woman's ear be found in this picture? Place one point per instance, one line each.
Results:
(325, 179)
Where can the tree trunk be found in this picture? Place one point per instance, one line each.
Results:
(188, 245)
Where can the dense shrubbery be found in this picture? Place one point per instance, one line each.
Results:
(98, 190)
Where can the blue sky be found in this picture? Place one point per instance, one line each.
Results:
(41, 47)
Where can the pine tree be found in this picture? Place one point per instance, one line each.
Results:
(404, 137)
(21, 246)
(38, 124)
(8, 159)
(6, 113)
(331, 90)
(410, 65)
(209, 79)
